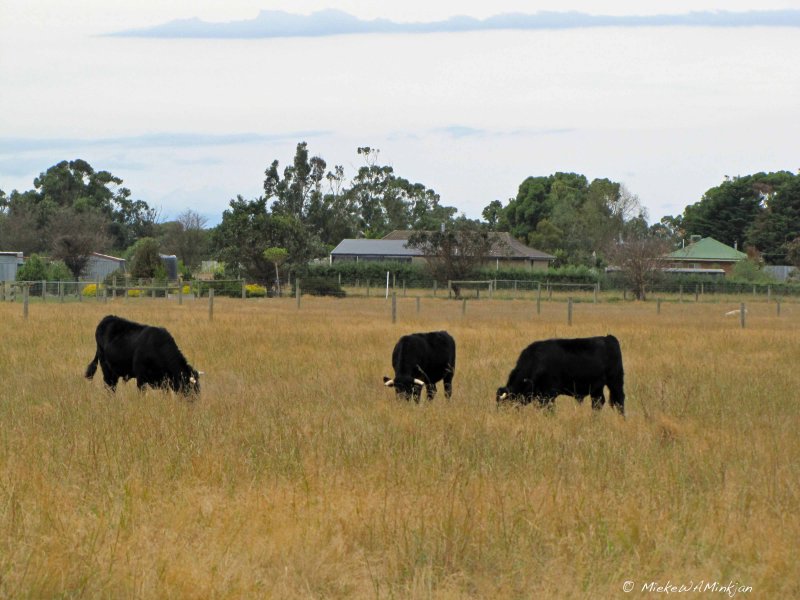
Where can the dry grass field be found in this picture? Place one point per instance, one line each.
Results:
(296, 474)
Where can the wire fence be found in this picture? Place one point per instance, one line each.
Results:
(522, 289)
(568, 294)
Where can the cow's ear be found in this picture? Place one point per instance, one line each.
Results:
(388, 382)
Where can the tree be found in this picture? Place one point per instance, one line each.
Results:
(493, 214)
(727, 211)
(186, 237)
(567, 215)
(455, 253)
(793, 252)
(248, 227)
(75, 185)
(384, 202)
(145, 259)
(37, 268)
(779, 223)
(299, 189)
(639, 259)
(277, 256)
(75, 236)
(20, 231)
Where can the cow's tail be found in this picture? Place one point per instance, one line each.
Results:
(90, 370)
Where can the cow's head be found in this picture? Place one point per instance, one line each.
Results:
(503, 395)
(191, 382)
(406, 386)
(521, 392)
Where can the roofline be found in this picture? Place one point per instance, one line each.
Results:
(107, 256)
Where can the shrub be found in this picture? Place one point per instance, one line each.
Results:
(320, 286)
(90, 291)
(255, 291)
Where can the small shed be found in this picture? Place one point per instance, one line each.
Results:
(9, 263)
(101, 266)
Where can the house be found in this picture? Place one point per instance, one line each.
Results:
(362, 250)
(505, 251)
(9, 263)
(704, 256)
(101, 266)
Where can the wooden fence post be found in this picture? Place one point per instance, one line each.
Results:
(297, 291)
(538, 297)
(210, 303)
(658, 306)
(464, 307)
(569, 310)
(394, 307)
(742, 313)
(778, 307)
(25, 293)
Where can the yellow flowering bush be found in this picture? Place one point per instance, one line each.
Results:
(255, 291)
(90, 291)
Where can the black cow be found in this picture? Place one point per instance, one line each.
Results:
(423, 359)
(573, 367)
(148, 354)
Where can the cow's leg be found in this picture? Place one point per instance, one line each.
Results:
(448, 384)
(616, 397)
(547, 401)
(430, 388)
(598, 399)
(109, 377)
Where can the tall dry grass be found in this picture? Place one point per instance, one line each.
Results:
(298, 475)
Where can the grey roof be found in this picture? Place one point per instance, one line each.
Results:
(365, 247)
(504, 245)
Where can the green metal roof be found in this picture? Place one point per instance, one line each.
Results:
(708, 249)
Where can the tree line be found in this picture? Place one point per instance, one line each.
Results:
(307, 208)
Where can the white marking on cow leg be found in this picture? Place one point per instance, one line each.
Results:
(419, 382)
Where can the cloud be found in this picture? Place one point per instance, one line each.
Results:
(153, 140)
(464, 131)
(275, 24)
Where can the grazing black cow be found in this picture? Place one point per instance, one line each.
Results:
(573, 367)
(148, 354)
(423, 359)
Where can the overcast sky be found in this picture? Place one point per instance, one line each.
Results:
(190, 123)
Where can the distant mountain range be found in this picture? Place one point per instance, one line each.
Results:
(274, 24)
